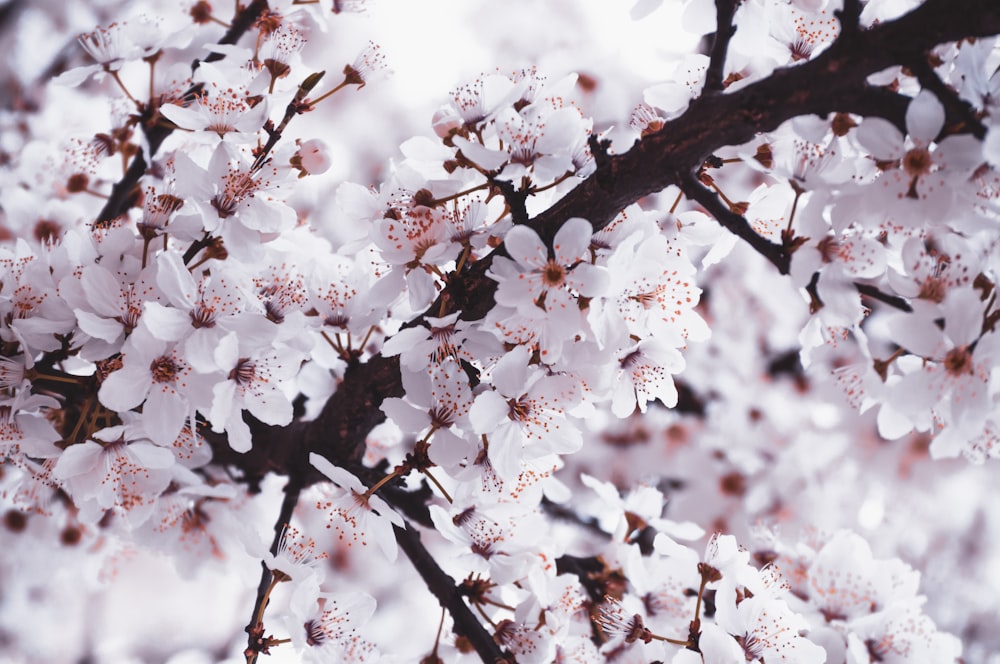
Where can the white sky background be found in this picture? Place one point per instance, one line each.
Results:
(435, 46)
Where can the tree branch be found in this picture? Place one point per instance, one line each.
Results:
(735, 223)
(444, 588)
(876, 294)
(724, 31)
(833, 81)
(255, 627)
(959, 112)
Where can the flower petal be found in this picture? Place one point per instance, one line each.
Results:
(924, 117)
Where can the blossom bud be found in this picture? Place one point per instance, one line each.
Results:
(446, 121)
(312, 158)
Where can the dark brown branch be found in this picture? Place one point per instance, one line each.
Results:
(735, 223)
(959, 112)
(444, 588)
(833, 81)
(850, 19)
(724, 31)
(242, 22)
(892, 300)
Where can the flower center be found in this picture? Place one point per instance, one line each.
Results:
(164, 370)
(518, 410)
(958, 361)
(553, 274)
(917, 162)
(244, 372)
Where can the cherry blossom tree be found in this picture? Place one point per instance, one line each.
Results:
(588, 364)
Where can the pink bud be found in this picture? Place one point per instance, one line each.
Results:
(314, 156)
(445, 121)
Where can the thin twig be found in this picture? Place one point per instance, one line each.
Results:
(724, 31)
(954, 106)
(735, 223)
(288, 503)
(876, 294)
(447, 593)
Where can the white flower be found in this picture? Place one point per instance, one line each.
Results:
(528, 644)
(531, 278)
(156, 375)
(770, 631)
(354, 515)
(324, 626)
(641, 507)
(235, 199)
(525, 414)
(443, 338)
(645, 375)
(296, 556)
(915, 171)
(255, 381)
(952, 378)
(313, 157)
(437, 401)
(846, 582)
(115, 474)
(24, 429)
(223, 108)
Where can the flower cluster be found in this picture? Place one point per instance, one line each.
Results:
(554, 408)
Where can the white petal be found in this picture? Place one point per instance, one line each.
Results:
(227, 353)
(77, 460)
(152, 456)
(881, 138)
(485, 158)
(164, 415)
(572, 240)
(102, 290)
(991, 146)
(174, 279)
(487, 412)
(406, 417)
(961, 153)
(644, 8)
(223, 404)
(238, 434)
(963, 315)
(919, 336)
(166, 323)
(270, 406)
(924, 117)
(338, 475)
(125, 389)
(404, 340)
(185, 118)
(892, 424)
(524, 246)
(670, 96)
(511, 372)
(106, 329)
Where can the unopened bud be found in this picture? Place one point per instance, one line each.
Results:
(446, 121)
(313, 157)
